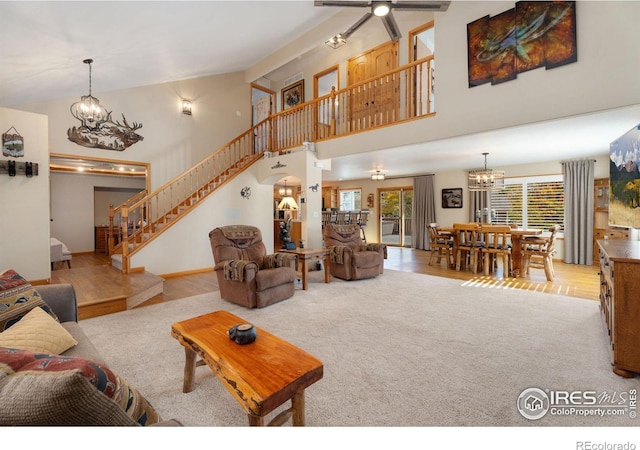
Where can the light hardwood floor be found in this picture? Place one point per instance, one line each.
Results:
(571, 280)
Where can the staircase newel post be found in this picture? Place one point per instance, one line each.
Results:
(124, 224)
(110, 232)
(332, 126)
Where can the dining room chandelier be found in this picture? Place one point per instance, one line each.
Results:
(88, 110)
(485, 179)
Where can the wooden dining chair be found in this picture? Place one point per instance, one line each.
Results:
(326, 218)
(496, 246)
(440, 245)
(538, 251)
(469, 245)
(342, 218)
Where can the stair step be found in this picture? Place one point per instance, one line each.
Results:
(116, 261)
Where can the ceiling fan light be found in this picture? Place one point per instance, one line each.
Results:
(381, 9)
(336, 41)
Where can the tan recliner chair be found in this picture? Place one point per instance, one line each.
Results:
(246, 274)
(350, 258)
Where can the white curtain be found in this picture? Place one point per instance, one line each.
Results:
(578, 211)
(423, 211)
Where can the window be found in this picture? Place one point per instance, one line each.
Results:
(350, 199)
(532, 202)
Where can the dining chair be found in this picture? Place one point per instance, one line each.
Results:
(496, 245)
(326, 218)
(342, 218)
(440, 244)
(469, 246)
(362, 222)
(538, 251)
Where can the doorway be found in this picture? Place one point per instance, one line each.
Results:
(396, 221)
(422, 43)
(262, 101)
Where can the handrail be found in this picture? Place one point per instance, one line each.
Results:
(138, 221)
(399, 95)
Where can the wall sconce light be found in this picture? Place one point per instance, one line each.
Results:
(378, 176)
(186, 106)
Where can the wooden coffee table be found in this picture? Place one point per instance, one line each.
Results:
(306, 256)
(261, 376)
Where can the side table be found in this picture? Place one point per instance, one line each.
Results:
(307, 255)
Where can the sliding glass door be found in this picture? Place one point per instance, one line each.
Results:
(395, 216)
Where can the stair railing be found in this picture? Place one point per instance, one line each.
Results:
(402, 94)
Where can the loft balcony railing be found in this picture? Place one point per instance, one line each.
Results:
(397, 96)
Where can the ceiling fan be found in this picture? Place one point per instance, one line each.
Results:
(381, 9)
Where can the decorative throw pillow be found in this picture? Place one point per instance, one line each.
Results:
(39, 332)
(17, 298)
(39, 389)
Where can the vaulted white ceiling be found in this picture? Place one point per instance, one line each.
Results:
(42, 45)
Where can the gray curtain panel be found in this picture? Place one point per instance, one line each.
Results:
(478, 200)
(424, 210)
(578, 211)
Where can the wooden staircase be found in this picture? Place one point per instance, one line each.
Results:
(144, 217)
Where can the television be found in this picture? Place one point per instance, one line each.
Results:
(624, 180)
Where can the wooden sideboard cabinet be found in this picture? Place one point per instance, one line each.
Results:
(101, 242)
(601, 227)
(620, 303)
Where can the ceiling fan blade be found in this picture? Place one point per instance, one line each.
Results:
(391, 26)
(422, 6)
(341, 3)
(357, 25)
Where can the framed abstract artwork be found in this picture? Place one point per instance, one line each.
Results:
(533, 34)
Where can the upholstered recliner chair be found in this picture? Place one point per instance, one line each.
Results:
(350, 258)
(246, 274)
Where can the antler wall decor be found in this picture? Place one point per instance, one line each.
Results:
(109, 135)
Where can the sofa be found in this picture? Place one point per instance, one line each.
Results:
(40, 385)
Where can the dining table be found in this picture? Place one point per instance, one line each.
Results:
(516, 234)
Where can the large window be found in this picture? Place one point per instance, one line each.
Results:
(532, 202)
(350, 199)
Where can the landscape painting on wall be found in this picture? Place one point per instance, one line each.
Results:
(624, 180)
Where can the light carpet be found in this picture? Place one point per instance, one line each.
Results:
(402, 349)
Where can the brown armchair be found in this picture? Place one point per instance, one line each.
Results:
(350, 258)
(247, 275)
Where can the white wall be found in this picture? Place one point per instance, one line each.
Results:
(173, 142)
(601, 79)
(73, 216)
(24, 215)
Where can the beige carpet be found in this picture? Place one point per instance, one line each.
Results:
(402, 349)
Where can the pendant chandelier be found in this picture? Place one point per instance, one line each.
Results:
(285, 191)
(88, 110)
(485, 179)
